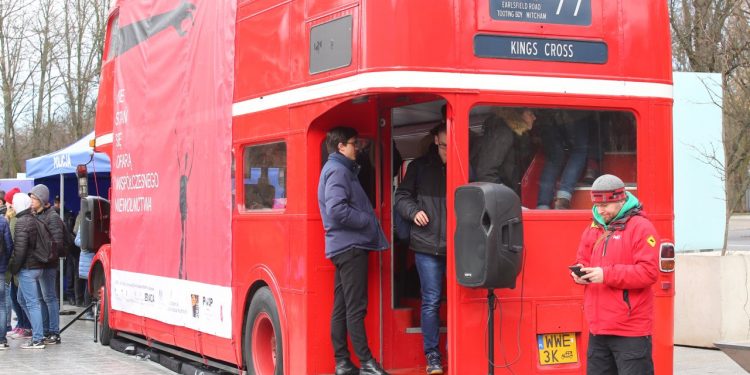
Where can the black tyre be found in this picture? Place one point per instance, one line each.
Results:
(105, 332)
(262, 344)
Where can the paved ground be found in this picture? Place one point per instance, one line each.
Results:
(78, 354)
(739, 233)
(693, 361)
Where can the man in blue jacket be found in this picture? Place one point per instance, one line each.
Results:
(6, 250)
(352, 231)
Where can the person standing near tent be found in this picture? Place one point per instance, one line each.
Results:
(2, 203)
(23, 325)
(6, 249)
(29, 270)
(40, 207)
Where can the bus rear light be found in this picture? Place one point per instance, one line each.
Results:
(666, 265)
(666, 257)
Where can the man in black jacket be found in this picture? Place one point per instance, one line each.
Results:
(420, 199)
(40, 206)
(29, 270)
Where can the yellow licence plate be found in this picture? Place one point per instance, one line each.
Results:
(557, 348)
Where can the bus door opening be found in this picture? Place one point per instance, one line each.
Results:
(415, 126)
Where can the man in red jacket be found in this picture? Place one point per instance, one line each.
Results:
(619, 258)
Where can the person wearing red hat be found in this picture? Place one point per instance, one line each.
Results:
(618, 255)
(23, 325)
(7, 199)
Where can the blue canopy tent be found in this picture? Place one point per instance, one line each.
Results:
(46, 169)
(62, 165)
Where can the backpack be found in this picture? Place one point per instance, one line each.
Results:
(68, 242)
(44, 251)
(2, 243)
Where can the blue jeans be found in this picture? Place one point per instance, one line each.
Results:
(15, 297)
(431, 269)
(51, 317)
(554, 139)
(8, 306)
(3, 311)
(28, 285)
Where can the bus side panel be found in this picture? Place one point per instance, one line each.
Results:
(262, 46)
(664, 289)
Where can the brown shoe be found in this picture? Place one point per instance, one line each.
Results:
(562, 204)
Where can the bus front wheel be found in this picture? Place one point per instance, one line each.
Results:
(262, 345)
(105, 332)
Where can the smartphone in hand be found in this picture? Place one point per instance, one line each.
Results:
(577, 270)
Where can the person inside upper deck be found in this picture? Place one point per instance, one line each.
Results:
(561, 130)
(497, 156)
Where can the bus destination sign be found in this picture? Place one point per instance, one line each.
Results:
(520, 48)
(566, 12)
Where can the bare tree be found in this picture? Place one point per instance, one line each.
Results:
(712, 36)
(80, 60)
(13, 77)
(45, 35)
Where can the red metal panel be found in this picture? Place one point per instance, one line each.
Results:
(262, 48)
(557, 317)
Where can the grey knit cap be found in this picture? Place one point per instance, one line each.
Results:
(607, 182)
(42, 192)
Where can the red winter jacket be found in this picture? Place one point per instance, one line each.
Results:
(627, 252)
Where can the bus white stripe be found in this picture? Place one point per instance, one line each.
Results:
(454, 81)
(104, 139)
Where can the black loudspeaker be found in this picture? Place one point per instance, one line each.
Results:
(489, 236)
(94, 223)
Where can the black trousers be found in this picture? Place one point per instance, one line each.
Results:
(350, 304)
(619, 355)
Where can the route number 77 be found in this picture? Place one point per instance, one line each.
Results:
(560, 4)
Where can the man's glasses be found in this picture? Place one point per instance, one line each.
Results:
(358, 143)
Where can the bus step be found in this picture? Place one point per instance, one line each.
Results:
(419, 330)
(147, 354)
(170, 362)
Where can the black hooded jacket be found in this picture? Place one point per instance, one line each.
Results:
(423, 189)
(24, 242)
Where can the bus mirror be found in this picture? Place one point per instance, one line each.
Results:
(83, 180)
(488, 243)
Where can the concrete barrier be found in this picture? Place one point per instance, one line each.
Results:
(712, 298)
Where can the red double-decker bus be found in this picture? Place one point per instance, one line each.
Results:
(214, 115)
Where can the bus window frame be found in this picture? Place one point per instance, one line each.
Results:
(535, 106)
(239, 204)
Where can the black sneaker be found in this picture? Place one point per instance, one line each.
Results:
(434, 365)
(33, 345)
(52, 339)
(4, 346)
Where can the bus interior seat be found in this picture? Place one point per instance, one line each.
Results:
(258, 196)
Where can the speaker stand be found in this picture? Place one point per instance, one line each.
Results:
(491, 331)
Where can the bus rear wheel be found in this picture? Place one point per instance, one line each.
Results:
(262, 344)
(105, 332)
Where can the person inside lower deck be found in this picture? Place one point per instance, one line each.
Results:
(420, 199)
(352, 230)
